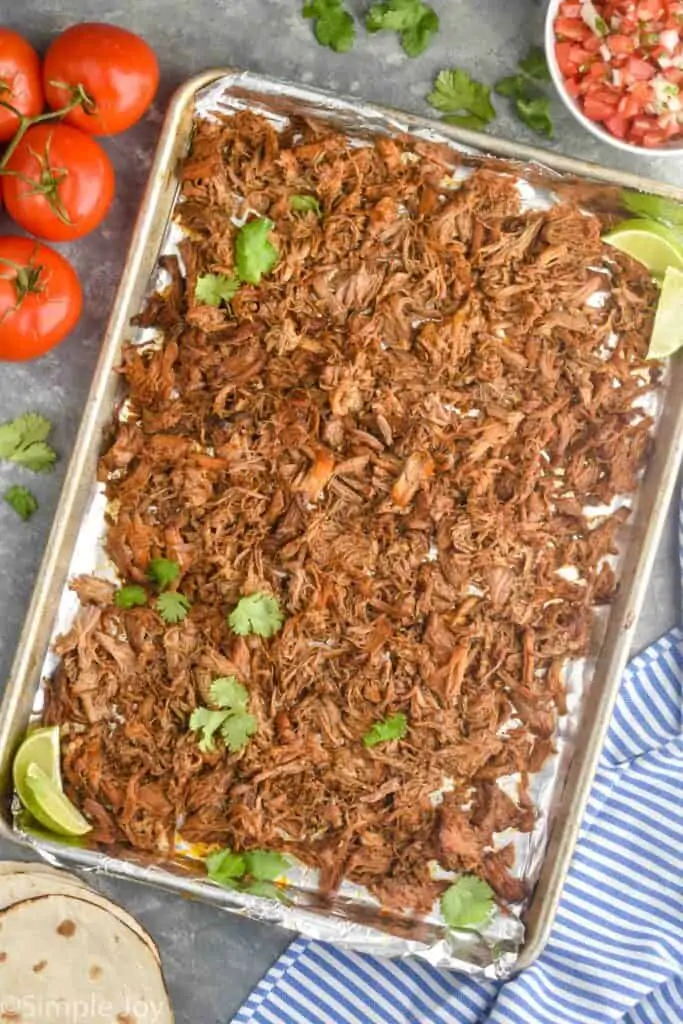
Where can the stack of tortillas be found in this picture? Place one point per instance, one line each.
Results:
(68, 953)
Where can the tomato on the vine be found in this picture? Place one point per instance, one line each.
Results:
(20, 84)
(117, 70)
(58, 183)
(40, 298)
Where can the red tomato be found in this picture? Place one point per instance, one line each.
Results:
(597, 109)
(639, 70)
(617, 125)
(117, 70)
(570, 10)
(572, 86)
(563, 54)
(649, 10)
(20, 83)
(61, 183)
(572, 28)
(40, 298)
(619, 44)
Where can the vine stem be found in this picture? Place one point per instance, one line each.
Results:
(78, 99)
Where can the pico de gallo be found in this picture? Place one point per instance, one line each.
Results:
(622, 61)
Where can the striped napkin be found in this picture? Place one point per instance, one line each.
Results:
(616, 952)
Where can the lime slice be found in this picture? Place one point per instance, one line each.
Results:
(40, 747)
(49, 806)
(667, 332)
(652, 244)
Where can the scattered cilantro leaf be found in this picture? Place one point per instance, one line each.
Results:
(130, 596)
(536, 114)
(237, 728)
(467, 903)
(515, 87)
(455, 92)
(265, 865)
(267, 889)
(535, 65)
(172, 607)
(334, 26)
(392, 728)
(226, 692)
(21, 500)
(212, 289)
(416, 22)
(233, 720)
(255, 255)
(256, 613)
(465, 121)
(206, 722)
(302, 204)
(22, 440)
(667, 211)
(224, 866)
(163, 572)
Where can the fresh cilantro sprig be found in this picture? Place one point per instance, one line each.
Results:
(130, 596)
(304, 204)
(23, 441)
(253, 872)
(21, 500)
(173, 607)
(256, 613)
(212, 289)
(229, 717)
(467, 903)
(334, 26)
(415, 21)
(163, 572)
(255, 254)
(462, 100)
(392, 728)
(531, 104)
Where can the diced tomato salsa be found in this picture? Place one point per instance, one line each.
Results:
(622, 61)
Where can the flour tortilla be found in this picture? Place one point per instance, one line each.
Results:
(64, 958)
(21, 867)
(17, 886)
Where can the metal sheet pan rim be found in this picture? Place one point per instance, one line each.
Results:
(25, 664)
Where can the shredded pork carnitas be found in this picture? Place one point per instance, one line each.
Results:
(397, 433)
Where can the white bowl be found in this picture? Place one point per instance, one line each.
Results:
(669, 149)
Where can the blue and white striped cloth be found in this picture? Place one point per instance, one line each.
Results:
(616, 952)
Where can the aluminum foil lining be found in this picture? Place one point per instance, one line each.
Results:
(352, 917)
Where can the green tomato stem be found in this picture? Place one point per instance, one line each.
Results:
(79, 99)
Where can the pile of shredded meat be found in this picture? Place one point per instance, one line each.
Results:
(398, 433)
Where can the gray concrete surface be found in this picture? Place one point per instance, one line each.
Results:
(212, 960)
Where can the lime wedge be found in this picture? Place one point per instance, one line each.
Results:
(667, 332)
(40, 747)
(49, 806)
(652, 244)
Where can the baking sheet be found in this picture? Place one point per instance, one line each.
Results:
(352, 916)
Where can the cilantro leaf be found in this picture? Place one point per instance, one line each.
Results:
(237, 728)
(535, 65)
(255, 255)
(226, 692)
(414, 20)
(514, 87)
(467, 903)
(660, 208)
(465, 121)
(536, 114)
(163, 572)
(256, 613)
(265, 865)
(456, 92)
(267, 889)
(236, 725)
(334, 26)
(207, 722)
(21, 500)
(224, 866)
(130, 596)
(172, 607)
(22, 440)
(212, 289)
(302, 204)
(392, 728)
